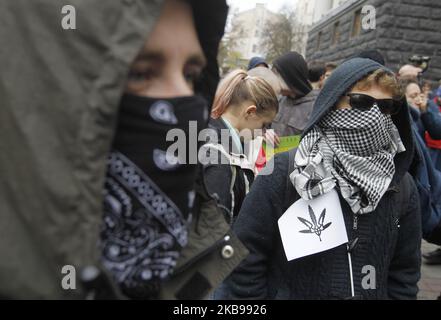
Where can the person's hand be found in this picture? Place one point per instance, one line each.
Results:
(409, 72)
(272, 138)
(421, 103)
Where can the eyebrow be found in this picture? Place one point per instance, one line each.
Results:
(151, 56)
(197, 59)
(159, 58)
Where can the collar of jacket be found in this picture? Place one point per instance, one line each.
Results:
(292, 103)
(218, 125)
(234, 135)
(212, 253)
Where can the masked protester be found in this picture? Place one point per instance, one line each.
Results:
(85, 89)
(427, 178)
(150, 192)
(359, 144)
(297, 96)
(57, 121)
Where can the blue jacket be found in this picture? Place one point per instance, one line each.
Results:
(429, 121)
(427, 178)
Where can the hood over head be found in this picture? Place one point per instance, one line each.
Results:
(293, 68)
(340, 81)
(210, 19)
(370, 54)
(58, 117)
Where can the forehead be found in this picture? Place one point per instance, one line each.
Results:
(374, 91)
(413, 88)
(174, 34)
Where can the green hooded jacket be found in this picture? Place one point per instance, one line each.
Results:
(59, 96)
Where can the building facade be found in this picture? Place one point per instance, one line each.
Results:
(309, 12)
(402, 28)
(249, 27)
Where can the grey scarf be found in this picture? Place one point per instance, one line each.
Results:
(352, 150)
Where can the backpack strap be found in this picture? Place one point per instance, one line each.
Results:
(234, 163)
(233, 182)
(238, 160)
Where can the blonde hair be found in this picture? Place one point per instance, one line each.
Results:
(267, 75)
(383, 79)
(238, 87)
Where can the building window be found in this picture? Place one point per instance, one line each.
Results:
(319, 40)
(356, 26)
(336, 33)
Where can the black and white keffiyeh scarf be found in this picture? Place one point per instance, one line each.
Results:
(352, 150)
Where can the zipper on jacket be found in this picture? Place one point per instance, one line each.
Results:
(207, 251)
(350, 246)
(351, 275)
(355, 222)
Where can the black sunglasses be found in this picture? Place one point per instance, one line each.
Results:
(364, 102)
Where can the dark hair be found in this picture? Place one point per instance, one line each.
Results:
(386, 80)
(405, 82)
(330, 66)
(426, 83)
(316, 70)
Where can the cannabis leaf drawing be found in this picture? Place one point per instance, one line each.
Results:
(315, 226)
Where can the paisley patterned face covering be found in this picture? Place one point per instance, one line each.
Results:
(148, 197)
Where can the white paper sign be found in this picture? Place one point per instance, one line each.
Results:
(313, 226)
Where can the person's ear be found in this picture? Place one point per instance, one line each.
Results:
(250, 111)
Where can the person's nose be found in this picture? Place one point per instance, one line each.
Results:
(175, 85)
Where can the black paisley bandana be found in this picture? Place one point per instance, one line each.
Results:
(148, 198)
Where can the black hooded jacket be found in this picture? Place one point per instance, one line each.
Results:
(389, 238)
(294, 71)
(294, 113)
(210, 19)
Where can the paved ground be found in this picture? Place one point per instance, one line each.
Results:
(430, 283)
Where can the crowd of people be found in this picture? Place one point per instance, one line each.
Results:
(89, 179)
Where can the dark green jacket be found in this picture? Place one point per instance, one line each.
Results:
(59, 95)
(212, 254)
